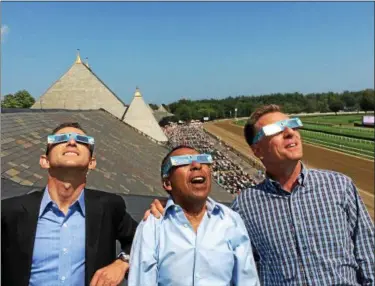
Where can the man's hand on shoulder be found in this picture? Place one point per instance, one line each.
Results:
(111, 275)
(156, 209)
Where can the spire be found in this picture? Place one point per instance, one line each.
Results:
(137, 92)
(87, 62)
(78, 59)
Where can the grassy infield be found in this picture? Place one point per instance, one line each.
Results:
(337, 132)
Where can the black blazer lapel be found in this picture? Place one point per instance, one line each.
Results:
(26, 230)
(94, 212)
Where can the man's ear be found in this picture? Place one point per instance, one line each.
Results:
(167, 185)
(44, 162)
(257, 151)
(92, 163)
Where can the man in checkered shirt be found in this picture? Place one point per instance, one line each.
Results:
(307, 226)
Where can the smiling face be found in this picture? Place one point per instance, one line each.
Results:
(190, 182)
(280, 148)
(70, 154)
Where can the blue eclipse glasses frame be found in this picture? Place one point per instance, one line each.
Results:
(277, 127)
(175, 161)
(65, 137)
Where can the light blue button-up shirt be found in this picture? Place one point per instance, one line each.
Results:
(59, 249)
(167, 251)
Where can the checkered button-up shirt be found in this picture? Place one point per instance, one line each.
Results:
(318, 234)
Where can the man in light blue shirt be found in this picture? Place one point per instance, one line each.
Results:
(198, 241)
(66, 263)
(65, 234)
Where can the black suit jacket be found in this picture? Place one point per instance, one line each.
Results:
(106, 222)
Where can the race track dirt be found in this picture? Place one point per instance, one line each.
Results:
(360, 170)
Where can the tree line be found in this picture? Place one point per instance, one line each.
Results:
(243, 106)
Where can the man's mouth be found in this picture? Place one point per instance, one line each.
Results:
(70, 153)
(291, 145)
(198, 180)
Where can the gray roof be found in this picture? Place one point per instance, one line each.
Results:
(127, 161)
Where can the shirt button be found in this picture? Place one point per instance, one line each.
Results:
(65, 225)
(185, 225)
(62, 278)
(65, 250)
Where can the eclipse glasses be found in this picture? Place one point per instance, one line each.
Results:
(65, 137)
(175, 161)
(277, 127)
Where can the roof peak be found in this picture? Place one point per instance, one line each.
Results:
(137, 92)
(78, 59)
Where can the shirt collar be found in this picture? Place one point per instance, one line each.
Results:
(301, 179)
(47, 201)
(213, 208)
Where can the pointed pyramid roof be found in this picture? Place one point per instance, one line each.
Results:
(162, 108)
(140, 116)
(81, 89)
(161, 113)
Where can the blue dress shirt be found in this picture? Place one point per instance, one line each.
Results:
(59, 248)
(167, 251)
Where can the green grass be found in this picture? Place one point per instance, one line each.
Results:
(344, 144)
(365, 133)
(240, 122)
(344, 119)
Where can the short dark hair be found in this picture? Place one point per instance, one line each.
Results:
(68, 124)
(64, 125)
(169, 155)
(249, 129)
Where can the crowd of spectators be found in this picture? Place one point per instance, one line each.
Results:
(229, 175)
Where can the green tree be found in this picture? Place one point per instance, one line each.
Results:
(367, 101)
(311, 105)
(21, 99)
(183, 112)
(349, 100)
(8, 101)
(336, 105)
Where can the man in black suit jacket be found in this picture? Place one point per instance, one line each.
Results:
(65, 232)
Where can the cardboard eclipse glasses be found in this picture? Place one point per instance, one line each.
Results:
(175, 161)
(65, 137)
(277, 127)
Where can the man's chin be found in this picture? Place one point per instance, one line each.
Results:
(201, 194)
(297, 155)
(70, 165)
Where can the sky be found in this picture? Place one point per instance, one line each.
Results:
(191, 50)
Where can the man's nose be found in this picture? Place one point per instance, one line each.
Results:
(72, 141)
(195, 165)
(288, 132)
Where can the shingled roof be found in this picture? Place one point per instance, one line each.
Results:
(128, 162)
(81, 89)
